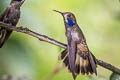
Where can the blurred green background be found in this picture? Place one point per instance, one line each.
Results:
(23, 55)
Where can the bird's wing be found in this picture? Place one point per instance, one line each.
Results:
(72, 53)
(4, 34)
(5, 13)
(85, 60)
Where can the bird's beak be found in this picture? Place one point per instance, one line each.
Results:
(58, 12)
(22, 1)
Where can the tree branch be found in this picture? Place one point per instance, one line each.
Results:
(54, 42)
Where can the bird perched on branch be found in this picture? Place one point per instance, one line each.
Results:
(77, 57)
(10, 16)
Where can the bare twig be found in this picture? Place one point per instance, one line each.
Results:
(54, 42)
(108, 66)
(34, 34)
(12, 77)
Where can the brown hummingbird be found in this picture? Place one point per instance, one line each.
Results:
(77, 57)
(10, 16)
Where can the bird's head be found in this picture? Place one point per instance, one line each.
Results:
(17, 3)
(69, 17)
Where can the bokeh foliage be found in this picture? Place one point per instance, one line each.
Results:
(24, 55)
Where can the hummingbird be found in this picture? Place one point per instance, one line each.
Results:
(10, 16)
(77, 56)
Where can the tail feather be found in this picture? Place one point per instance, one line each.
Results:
(83, 65)
(63, 54)
(92, 63)
(4, 35)
(90, 69)
(66, 61)
(74, 76)
(77, 70)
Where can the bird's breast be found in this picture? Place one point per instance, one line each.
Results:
(75, 36)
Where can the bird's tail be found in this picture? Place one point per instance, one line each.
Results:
(4, 35)
(83, 64)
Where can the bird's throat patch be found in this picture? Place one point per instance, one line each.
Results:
(70, 22)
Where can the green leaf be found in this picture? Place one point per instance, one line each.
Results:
(115, 76)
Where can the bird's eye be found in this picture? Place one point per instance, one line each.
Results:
(69, 15)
